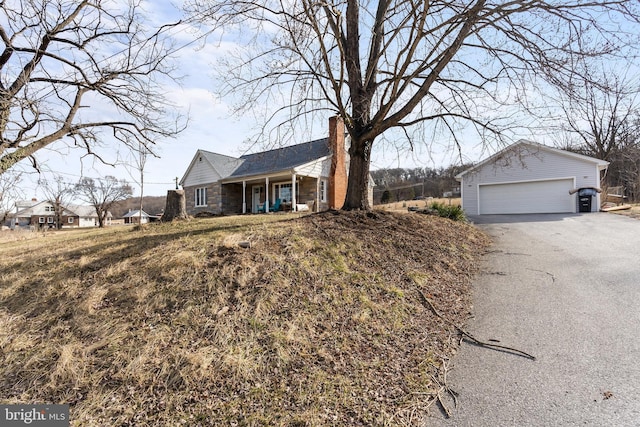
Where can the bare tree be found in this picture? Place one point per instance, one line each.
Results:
(102, 194)
(59, 193)
(599, 108)
(10, 193)
(405, 63)
(626, 162)
(62, 57)
(139, 161)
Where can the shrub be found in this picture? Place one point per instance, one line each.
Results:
(386, 197)
(449, 211)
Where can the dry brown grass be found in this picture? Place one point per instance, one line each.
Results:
(403, 205)
(317, 323)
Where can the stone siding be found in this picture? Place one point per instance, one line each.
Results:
(232, 198)
(214, 199)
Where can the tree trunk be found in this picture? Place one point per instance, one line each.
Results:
(142, 160)
(358, 183)
(102, 214)
(176, 207)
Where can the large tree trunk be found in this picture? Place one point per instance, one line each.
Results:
(358, 183)
(176, 207)
(102, 214)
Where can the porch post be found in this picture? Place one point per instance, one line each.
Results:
(244, 197)
(266, 195)
(318, 197)
(294, 196)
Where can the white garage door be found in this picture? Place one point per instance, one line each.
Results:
(527, 197)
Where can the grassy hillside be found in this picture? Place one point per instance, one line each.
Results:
(318, 323)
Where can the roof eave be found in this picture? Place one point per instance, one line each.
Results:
(290, 170)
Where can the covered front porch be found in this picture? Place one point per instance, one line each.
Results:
(282, 192)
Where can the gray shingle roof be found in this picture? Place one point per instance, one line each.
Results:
(281, 159)
(224, 165)
(83, 211)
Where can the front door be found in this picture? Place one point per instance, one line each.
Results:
(257, 197)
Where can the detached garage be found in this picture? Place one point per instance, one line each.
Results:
(527, 177)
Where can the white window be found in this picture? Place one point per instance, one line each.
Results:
(70, 220)
(41, 220)
(201, 196)
(323, 190)
(50, 220)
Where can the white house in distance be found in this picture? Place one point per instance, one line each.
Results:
(528, 177)
(42, 214)
(134, 217)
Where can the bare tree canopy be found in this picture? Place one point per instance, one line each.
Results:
(404, 63)
(599, 109)
(60, 58)
(599, 113)
(102, 194)
(10, 193)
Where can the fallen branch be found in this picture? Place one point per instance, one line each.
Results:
(313, 221)
(427, 303)
(446, 410)
(445, 387)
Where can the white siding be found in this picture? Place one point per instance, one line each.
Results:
(87, 222)
(527, 163)
(314, 168)
(201, 172)
(326, 167)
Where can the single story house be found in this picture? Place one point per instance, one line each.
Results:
(88, 217)
(134, 217)
(43, 215)
(528, 177)
(308, 176)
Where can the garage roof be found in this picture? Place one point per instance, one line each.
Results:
(529, 144)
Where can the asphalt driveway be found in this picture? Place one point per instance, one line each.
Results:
(565, 288)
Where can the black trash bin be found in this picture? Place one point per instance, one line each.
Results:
(585, 195)
(585, 203)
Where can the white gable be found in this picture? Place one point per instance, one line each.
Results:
(200, 172)
(315, 168)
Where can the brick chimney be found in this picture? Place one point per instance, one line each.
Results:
(338, 174)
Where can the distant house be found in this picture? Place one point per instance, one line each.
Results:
(88, 217)
(307, 176)
(43, 215)
(134, 217)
